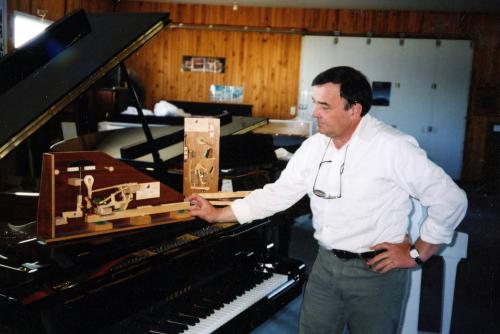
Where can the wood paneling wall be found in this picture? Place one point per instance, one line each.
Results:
(258, 62)
(267, 64)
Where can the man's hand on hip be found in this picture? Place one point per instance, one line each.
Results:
(395, 256)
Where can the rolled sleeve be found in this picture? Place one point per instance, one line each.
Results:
(440, 225)
(424, 180)
(242, 211)
(280, 195)
(434, 232)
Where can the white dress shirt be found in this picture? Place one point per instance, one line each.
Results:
(383, 168)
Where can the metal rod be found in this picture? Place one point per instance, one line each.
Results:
(158, 163)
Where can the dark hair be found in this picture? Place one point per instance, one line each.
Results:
(354, 86)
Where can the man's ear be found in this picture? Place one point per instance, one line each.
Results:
(356, 109)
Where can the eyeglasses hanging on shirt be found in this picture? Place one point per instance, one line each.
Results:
(325, 165)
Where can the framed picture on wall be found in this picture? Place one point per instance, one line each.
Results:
(203, 64)
(3, 27)
(381, 93)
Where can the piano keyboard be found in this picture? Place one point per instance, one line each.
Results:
(231, 310)
(212, 308)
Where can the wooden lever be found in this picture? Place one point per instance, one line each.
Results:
(225, 194)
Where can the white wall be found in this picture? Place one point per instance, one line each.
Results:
(429, 86)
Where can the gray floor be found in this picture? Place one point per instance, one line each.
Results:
(285, 321)
(477, 292)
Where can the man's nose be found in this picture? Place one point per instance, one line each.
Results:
(315, 112)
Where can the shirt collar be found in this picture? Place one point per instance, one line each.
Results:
(365, 129)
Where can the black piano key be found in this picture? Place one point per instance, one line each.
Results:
(192, 311)
(142, 325)
(161, 325)
(238, 287)
(196, 300)
(225, 295)
(183, 319)
(210, 303)
(216, 293)
(207, 310)
(173, 327)
(170, 314)
(133, 329)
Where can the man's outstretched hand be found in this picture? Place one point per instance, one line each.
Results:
(200, 207)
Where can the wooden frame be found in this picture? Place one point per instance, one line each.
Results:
(201, 155)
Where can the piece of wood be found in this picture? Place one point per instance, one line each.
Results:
(139, 211)
(128, 227)
(180, 215)
(221, 203)
(46, 220)
(100, 226)
(201, 155)
(225, 194)
(75, 182)
(140, 220)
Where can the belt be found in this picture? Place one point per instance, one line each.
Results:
(345, 255)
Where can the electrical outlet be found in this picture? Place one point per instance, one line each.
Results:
(293, 110)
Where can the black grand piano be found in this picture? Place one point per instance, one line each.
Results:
(185, 277)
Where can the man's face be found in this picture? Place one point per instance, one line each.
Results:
(329, 110)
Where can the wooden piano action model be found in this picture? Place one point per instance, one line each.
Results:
(89, 193)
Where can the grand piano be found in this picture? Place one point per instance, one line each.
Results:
(184, 277)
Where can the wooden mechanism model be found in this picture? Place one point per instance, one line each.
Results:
(201, 155)
(89, 193)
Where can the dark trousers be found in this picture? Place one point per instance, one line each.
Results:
(342, 293)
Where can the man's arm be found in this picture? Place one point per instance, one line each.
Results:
(426, 249)
(446, 206)
(201, 208)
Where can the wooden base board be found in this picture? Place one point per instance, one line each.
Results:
(140, 220)
(100, 226)
(114, 230)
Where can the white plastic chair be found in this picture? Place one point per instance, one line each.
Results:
(452, 254)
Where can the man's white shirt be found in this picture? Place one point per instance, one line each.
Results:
(383, 167)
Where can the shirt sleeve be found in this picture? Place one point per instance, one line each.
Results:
(277, 196)
(446, 203)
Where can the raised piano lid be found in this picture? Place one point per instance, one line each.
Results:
(44, 76)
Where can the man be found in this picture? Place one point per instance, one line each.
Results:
(359, 174)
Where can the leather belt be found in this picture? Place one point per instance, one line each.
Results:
(345, 255)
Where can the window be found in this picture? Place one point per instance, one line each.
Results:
(26, 27)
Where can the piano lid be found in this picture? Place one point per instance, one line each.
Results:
(44, 76)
